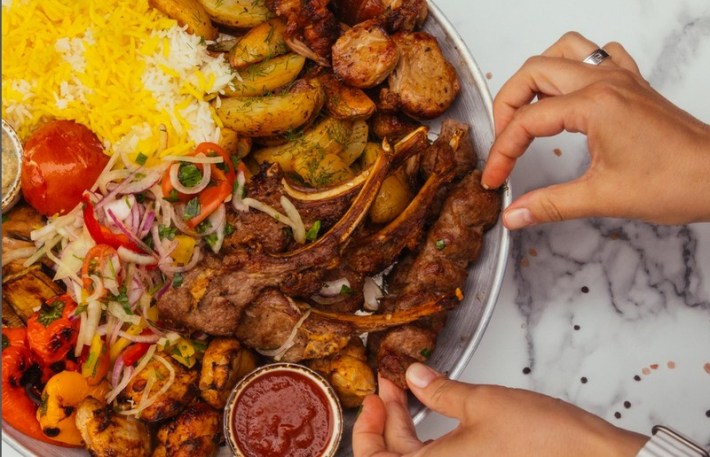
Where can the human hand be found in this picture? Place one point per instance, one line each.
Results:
(649, 159)
(493, 421)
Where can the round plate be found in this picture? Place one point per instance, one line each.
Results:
(468, 321)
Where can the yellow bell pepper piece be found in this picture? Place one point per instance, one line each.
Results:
(185, 247)
(122, 343)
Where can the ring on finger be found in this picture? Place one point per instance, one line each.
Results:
(596, 57)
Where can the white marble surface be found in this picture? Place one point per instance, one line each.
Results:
(639, 294)
(648, 299)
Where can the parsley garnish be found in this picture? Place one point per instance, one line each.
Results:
(312, 233)
(189, 175)
(426, 352)
(192, 209)
(346, 291)
(122, 299)
(50, 313)
(228, 230)
(166, 232)
(5, 341)
(440, 244)
(141, 158)
(177, 280)
(172, 196)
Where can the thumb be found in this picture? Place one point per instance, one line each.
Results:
(437, 392)
(559, 202)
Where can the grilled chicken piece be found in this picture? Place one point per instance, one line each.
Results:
(224, 364)
(424, 82)
(365, 55)
(399, 15)
(392, 126)
(348, 373)
(108, 434)
(180, 393)
(311, 28)
(196, 432)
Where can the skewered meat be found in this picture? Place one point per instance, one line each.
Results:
(365, 55)
(348, 372)
(196, 432)
(438, 272)
(108, 434)
(224, 364)
(171, 402)
(424, 82)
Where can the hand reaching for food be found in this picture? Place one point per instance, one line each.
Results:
(649, 159)
(493, 420)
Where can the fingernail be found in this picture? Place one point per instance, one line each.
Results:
(518, 218)
(485, 186)
(420, 375)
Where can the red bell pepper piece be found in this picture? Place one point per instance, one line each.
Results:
(134, 352)
(101, 234)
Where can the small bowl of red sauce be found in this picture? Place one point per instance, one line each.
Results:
(283, 409)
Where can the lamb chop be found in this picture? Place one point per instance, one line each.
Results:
(213, 297)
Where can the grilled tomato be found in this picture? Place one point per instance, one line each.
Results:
(62, 159)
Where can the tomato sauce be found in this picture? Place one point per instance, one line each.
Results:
(282, 414)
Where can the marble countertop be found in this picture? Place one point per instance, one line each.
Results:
(613, 316)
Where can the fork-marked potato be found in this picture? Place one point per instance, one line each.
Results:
(237, 13)
(276, 114)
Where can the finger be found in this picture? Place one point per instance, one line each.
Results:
(571, 45)
(545, 118)
(542, 75)
(369, 429)
(400, 434)
(621, 57)
(559, 202)
(438, 393)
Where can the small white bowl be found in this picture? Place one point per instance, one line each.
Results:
(11, 166)
(254, 381)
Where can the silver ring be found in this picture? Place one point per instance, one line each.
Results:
(596, 57)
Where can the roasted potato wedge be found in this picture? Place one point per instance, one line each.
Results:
(329, 136)
(393, 197)
(264, 41)
(273, 114)
(346, 102)
(237, 13)
(190, 13)
(266, 76)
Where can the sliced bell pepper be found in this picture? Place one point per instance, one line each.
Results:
(219, 188)
(134, 352)
(97, 362)
(102, 234)
(94, 262)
